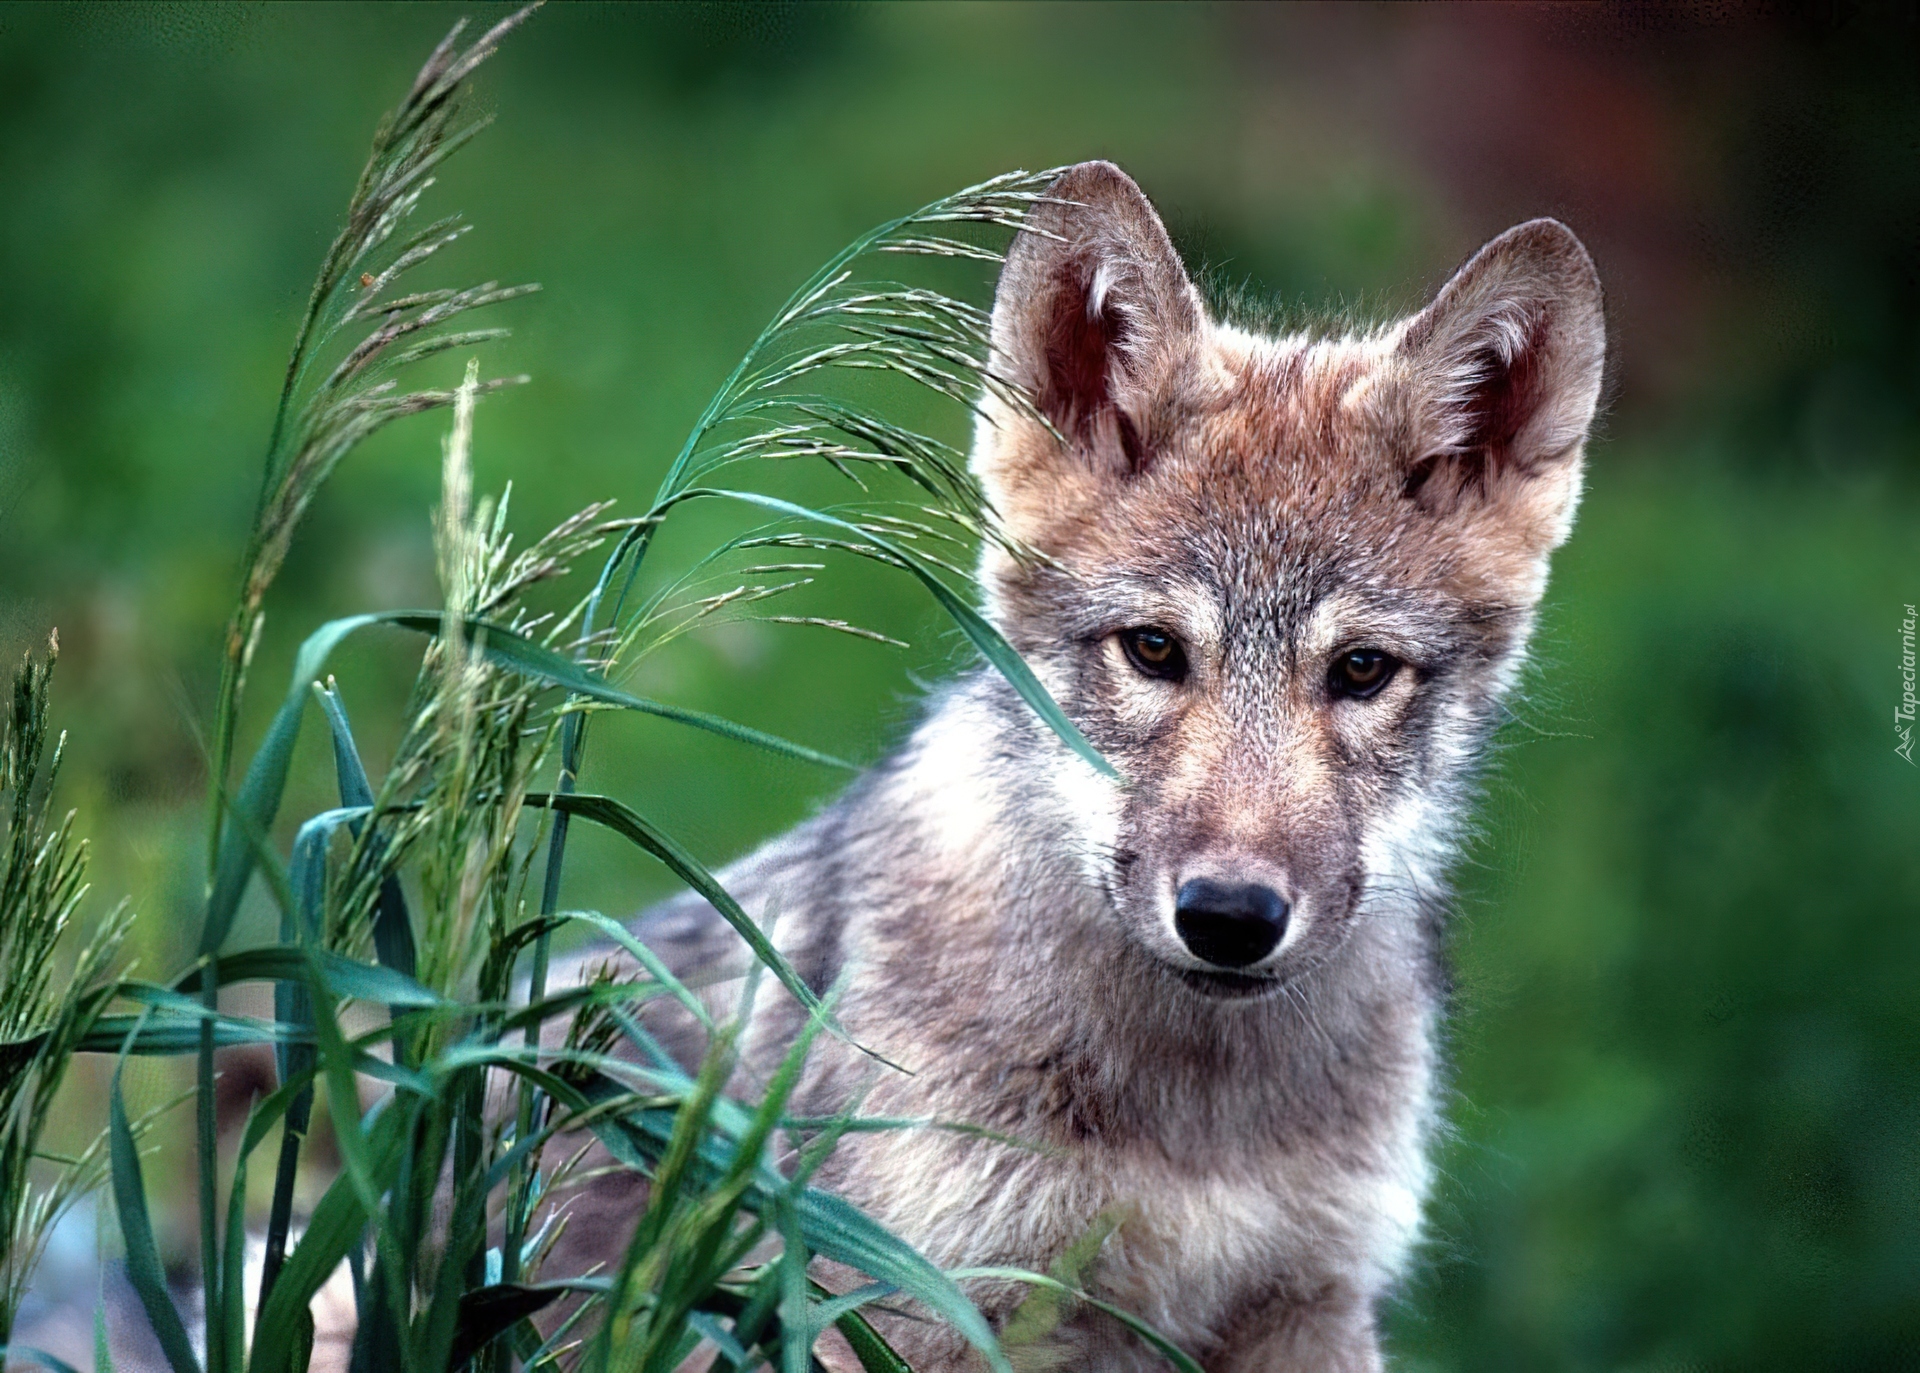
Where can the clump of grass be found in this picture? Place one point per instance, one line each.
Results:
(417, 914)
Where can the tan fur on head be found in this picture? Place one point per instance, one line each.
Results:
(1463, 425)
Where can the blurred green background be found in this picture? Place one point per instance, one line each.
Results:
(1686, 1092)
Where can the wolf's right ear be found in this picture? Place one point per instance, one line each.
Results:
(1506, 366)
(1093, 310)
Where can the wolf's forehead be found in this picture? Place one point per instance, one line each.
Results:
(1273, 511)
(1275, 583)
(1245, 577)
(1285, 402)
(1291, 469)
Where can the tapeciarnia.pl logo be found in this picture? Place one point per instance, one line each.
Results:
(1903, 713)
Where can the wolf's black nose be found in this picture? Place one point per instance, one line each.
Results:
(1229, 924)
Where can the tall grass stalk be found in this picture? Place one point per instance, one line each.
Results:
(43, 1020)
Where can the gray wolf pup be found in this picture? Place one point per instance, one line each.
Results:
(1287, 583)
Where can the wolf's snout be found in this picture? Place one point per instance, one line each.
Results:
(1229, 924)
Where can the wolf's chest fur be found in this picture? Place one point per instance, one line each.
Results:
(1283, 585)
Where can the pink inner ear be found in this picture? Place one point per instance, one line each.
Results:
(1077, 386)
(1507, 387)
(1508, 391)
(1083, 346)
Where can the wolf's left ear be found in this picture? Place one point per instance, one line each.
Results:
(1093, 312)
(1505, 367)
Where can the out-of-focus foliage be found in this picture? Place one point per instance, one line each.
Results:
(1687, 1055)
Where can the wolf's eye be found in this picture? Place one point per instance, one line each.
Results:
(1363, 672)
(1155, 652)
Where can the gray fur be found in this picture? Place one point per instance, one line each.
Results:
(999, 916)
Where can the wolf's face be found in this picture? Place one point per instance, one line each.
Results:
(1287, 582)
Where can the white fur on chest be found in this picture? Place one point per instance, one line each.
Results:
(1201, 1246)
(1197, 1247)
(1193, 1247)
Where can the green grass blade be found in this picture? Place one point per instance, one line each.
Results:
(258, 799)
(102, 1350)
(558, 1123)
(17, 1054)
(171, 1035)
(656, 967)
(719, 1337)
(624, 821)
(516, 1061)
(144, 1269)
(829, 1225)
(347, 976)
(293, 1007)
(232, 1311)
(874, 1353)
(531, 659)
(840, 1231)
(756, 1320)
(796, 1348)
(704, 1259)
(207, 1176)
(337, 1064)
(992, 645)
(487, 1312)
(179, 1008)
(335, 1227)
(829, 1307)
(1172, 1352)
(350, 774)
(392, 927)
(679, 1168)
(291, 1101)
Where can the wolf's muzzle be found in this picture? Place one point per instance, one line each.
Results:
(1229, 924)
